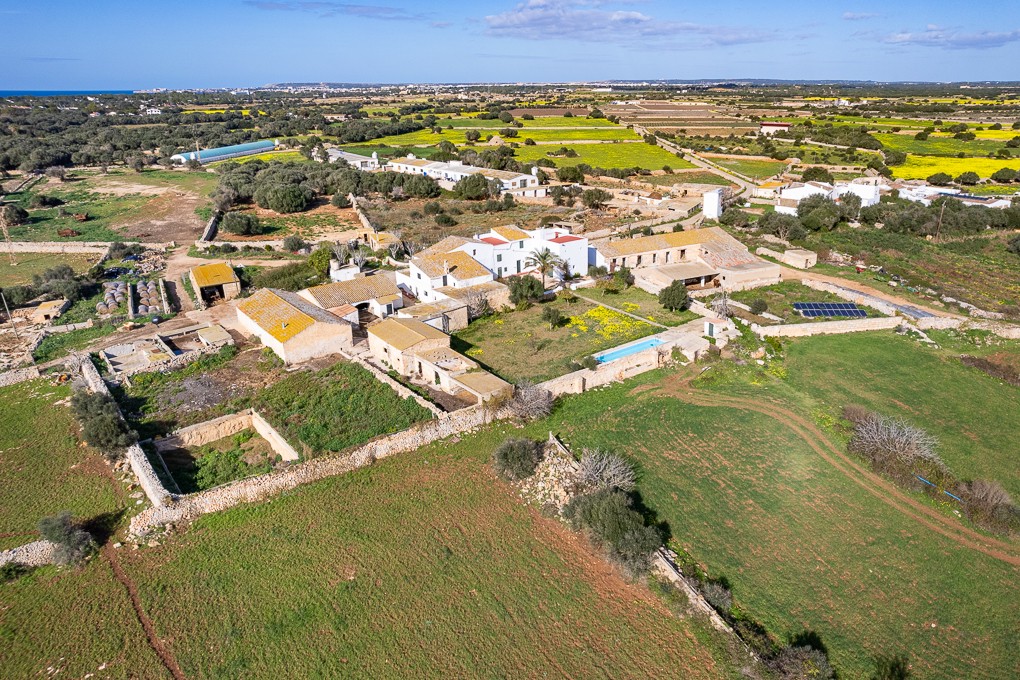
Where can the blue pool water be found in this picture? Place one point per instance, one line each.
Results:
(627, 351)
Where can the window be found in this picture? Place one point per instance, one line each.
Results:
(522, 244)
(499, 258)
(419, 275)
(444, 279)
(653, 258)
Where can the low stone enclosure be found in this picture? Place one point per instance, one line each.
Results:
(224, 426)
(165, 351)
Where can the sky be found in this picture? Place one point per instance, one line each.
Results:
(139, 44)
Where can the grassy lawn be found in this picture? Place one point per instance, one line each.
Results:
(782, 296)
(938, 146)
(750, 167)
(607, 156)
(922, 167)
(42, 468)
(520, 345)
(424, 566)
(640, 303)
(30, 264)
(61, 344)
(801, 544)
(976, 420)
(75, 622)
(335, 408)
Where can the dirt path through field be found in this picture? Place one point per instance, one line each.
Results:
(884, 490)
(165, 655)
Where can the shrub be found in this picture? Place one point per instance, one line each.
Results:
(516, 459)
(802, 663)
(989, 505)
(73, 544)
(856, 414)
(290, 277)
(675, 297)
(589, 362)
(606, 516)
(340, 200)
(294, 243)
(553, 316)
(891, 667)
(968, 178)
(570, 174)
(444, 220)
(432, 208)
(12, 571)
(241, 223)
(525, 289)
(816, 174)
(101, 424)
(759, 306)
(13, 215)
(604, 470)
(282, 198)
(719, 596)
(1013, 245)
(472, 188)
(120, 250)
(939, 179)
(530, 402)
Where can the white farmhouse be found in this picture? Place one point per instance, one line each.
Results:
(354, 160)
(448, 174)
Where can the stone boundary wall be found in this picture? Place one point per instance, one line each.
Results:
(401, 390)
(171, 364)
(803, 330)
(211, 227)
(938, 322)
(91, 247)
(1002, 330)
(18, 375)
(275, 439)
(613, 371)
(136, 458)
(254, 489)
(36, 554)
(67, 327)
(662, 565)
(360, 212)
(162, 296)
(225, 426)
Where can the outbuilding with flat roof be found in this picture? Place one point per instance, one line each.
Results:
(215, 281)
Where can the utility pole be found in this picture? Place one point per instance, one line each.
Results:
(10, 318)
(938, 225)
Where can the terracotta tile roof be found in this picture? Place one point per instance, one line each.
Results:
(510, 233)
(403, 334)
(355, 291)
(457, 264)
(493, 241)
(282, 314)
(214, 274)
(566, 238)
(677, 239)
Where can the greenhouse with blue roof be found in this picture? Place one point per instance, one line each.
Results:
(223, 153)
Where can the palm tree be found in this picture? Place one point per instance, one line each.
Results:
(545, 261)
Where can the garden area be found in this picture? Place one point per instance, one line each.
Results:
(335, 408)
(240, 455)
(779, 299)
(635, 301)
(521, 345)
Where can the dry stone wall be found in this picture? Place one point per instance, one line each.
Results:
(35, 554)
(18, 375)
(253, 489)
(803, 330)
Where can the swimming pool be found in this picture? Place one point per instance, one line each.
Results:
(627, 350)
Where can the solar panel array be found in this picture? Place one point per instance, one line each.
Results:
(829, 309)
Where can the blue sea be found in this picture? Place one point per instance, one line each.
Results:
(59, 93)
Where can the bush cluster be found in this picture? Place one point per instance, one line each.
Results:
(614, 526)
(102, 426)
(516, 459)
(73, 544)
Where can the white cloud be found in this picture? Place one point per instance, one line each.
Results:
(859, 16)
(936, 36)
(593, 21)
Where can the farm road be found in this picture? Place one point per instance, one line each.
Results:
(875, 485)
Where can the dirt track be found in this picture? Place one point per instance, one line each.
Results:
(885, 491)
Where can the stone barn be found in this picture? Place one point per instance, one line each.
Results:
(215, 281)
(292, 327)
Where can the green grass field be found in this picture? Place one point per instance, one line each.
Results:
(697, 177)
(938, 146)
(922, 167)
(782, 296)
(423, 566)
(520, 345)
(543, 122)
(427, 137)
(758, 169)
(975, 420)
(42, 468)
(61, 344)
(607, 156)
(803, 546)
(30, 264)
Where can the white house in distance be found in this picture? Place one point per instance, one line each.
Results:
(770, 128)
(354, 160)
(790, 197)
(448, 174)
(711, 204)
